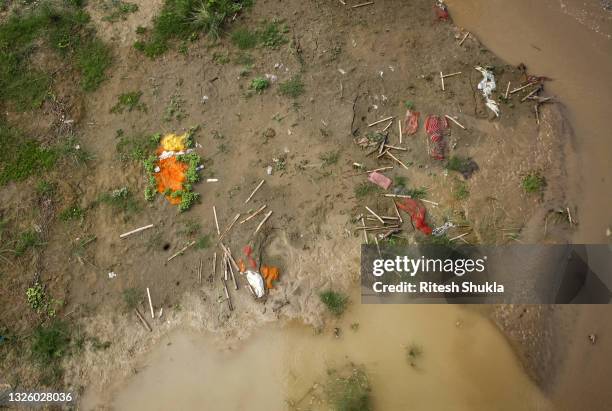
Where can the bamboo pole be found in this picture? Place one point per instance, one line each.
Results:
(191, 244)
(262, 222)
(381, 121)
(150, 303)
(396, 159)
(236, 217)
(227, 296)
(143, 320)
(399, 125)
(129, 233)
(375, 215)
(254, 191)
(256, 213)
(356, 6)
(454, 121)
(216, 220)
(464, 37)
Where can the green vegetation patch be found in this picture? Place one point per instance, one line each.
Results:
(118, 10)
(533, 183)
(186, 19)
(63, 29)
(129, 101)
(271, 35)
(136, 148)
(20, 158)
(293, 87)
(50, 344)
(335, 302)
(348, 391)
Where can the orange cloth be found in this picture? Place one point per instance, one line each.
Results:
(270, 274)
(171, 175)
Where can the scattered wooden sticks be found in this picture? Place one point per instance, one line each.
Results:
(396, 159)
(150, 303)
(254, 214)
(516, 90)
(375, 215)
(254, 191)
(381, 121)
(129, 233)
(191, 244)
(262, 222)
(229, 227)
(216, 220)
(454, 121)
(443, 76)
(228, 253)
(464, 37)
(356, 6)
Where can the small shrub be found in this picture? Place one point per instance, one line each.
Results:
(335, 302)
(348, 392)
(120, 199)
(72, 213)
(292, 88)
(330, 158)
(50, 344)
(46, 188)
(132, 297)
(93, 59)
(461, 191)
(129, 101)
(533, 183)
(25, 241)
(244, 39)
(259, 84)
(365, 189)
(273, 35)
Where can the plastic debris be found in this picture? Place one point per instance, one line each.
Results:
(487, 87)
(380, 180)
(256, 282)
(411, 122)
(443, 229)
(441, 10)
(436, 127)
(112, 274)
(417, 211)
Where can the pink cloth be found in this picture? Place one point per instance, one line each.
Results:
(380, 180)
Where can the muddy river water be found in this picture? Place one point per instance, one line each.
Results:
(466, 363)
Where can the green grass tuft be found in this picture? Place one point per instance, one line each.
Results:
(93, 59)
(259, 84)
(330, 158)
(533, 183)
(245, 39)
(348, 392)
(129, 101)
(293, 87)
(273, 35)
(50, 344)
(366, 189)
(335, 302)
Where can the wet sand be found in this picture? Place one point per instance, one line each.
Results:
(568, 41)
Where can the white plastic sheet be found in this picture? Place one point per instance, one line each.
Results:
(257, 283)
(487, 86)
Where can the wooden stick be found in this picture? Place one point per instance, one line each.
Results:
(383, 153)
(225, 271)
(142, 320)
(387, 126)
(214, 270)
(129, 233)
(381, 121)
(150, 303)
(236, 217)
(535, 90)
(459, 236)
(399, 125)
(464, 37)
(378, 169)
(377, 228)
(454, 121)
(254, 214)
(407, 196)
(362, 4)
(507, 90)
(228, 253)
(451, 75)
(396, 159)
(399, 216)
(254, 191)
(442, 80)
(181, 251)
(216, 220)
(232, 274)
(262, 222)
(365, 234)
(200, 272)
(516, 90)
(227, 296)
(396, 147)
(375, 215)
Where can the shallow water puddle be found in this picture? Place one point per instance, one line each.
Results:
(465, 365)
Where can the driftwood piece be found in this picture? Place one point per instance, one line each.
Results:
(255, 191)
(137, 230)
(181, 251)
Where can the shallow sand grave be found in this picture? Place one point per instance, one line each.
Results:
(363, 70)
